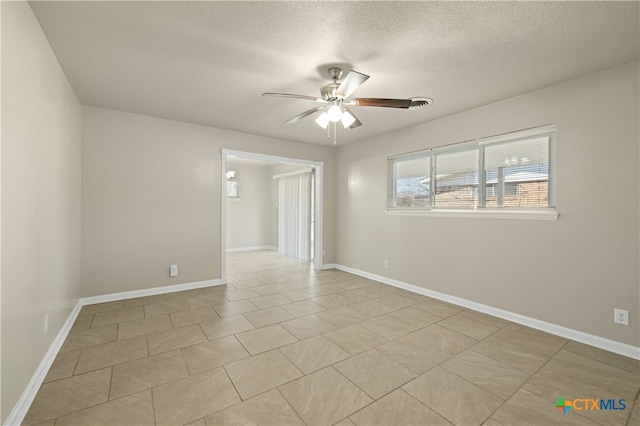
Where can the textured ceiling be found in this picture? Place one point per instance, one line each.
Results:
(208, 62)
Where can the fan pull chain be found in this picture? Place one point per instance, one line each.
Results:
(335, 132)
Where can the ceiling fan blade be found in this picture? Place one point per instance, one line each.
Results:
(352, 81)
(380, 102)
(289, 95)
(356, 122)
(303, 115)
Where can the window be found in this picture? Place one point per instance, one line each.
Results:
(510, 171)
(410, 187)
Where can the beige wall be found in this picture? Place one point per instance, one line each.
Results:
(151, 197)
(40, 198)
(590, 255)
(248, 216)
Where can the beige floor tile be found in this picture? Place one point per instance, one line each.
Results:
(382, 289)
(359, 295)
(343, 422)
(595, 373)
(145, 300)
(230, 309)
(302, 308)
(267, 289)
(265, 338)
(455, 399)
(487, 319)
(314, 354)
(444, 339)
(63, 366)
(525, 408)
(355, 338)
(413, 296)
(165, 341)
(300, 294)
(520, 347)
(140, 327)
(260, 373)
(199, 422)
(205, 301)
(371, 308)
(268, 316)
(550, 385)
(414, 353)
(104, 307)
(83, 321)
(469, 327)
(350, 284)
(440, 308)
(193, 397)
(615, 360)
(333, 301)
(90, 337)
(168, 307)
(132, 410)
(66, 396)
(397, 408)
(270, 408)
(270, 301)
(225, 326)
(135, 376)
(324, 397)
(183, 295)
(388, 326)
(491, 375)
(375, 373)
(193, 316)
(235, 295)
(341, 317)
(415, 316)
(396, 301)
(208, 355)
(113, 353)
(325, 289)
(308, 326)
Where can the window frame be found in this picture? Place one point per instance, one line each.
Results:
(479, 210)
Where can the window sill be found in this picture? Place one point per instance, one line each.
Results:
(545, 214)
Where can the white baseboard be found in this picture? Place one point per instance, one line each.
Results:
(26, 399)
(579, 336)
(233, 250)
(148, 292)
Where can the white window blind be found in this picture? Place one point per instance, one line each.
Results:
(294, 216)
(517, 172)
(508, 171)
(410, 175)
(456, 170)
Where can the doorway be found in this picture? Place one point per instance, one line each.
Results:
(314, 204)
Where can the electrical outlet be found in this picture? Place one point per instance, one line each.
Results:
(621, 316)
(45, 325)
(386, 263)
(324, 252)
(173, 271)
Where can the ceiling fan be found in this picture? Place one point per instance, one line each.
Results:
(335, 105)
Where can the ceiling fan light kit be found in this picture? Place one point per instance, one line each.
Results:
(334, 97)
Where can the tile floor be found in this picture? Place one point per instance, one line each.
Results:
(284, 345)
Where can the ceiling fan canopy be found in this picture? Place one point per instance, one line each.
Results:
(335, 103)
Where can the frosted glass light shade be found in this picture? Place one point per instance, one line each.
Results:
(347, 119)
(323, 120)
(334, 113)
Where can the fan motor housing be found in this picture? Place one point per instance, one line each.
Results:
(328, 91)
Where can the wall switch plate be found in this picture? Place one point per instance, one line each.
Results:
(621, 316)
(386, 263)
(173, 271)
(45, 325)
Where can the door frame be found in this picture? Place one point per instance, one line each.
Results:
(319, 183)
